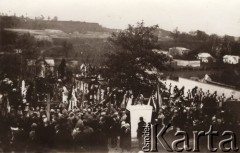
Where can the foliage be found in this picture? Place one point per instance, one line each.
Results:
(200, 41)
(10, 64)
(17, 49)
(132, 57)
(67, 47)
(62, 69)
(7, 40)
(27, 44)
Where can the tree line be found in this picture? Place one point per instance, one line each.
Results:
(200, 41)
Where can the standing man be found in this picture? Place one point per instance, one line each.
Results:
(141, 125)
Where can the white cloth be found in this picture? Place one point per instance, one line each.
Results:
(65, 95)
(129, 103)
(72, 101)
(23, 88)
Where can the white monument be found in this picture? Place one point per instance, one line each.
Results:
(137, 111)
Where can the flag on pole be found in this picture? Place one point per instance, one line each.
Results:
(48, 107)
(156, 102)
(152, 103)
(159, 97)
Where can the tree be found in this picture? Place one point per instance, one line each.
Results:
(201, 35)
(42, 17)
(7, 40)
(227, 43)
(55, 18)
(175, 34)
(62, 69)
(27, 43)
(67, 47)
(132, 60)
(10, 65)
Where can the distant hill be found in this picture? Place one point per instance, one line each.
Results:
(64, 29)
(40, 24)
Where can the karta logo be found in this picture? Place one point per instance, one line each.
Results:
(152, 139)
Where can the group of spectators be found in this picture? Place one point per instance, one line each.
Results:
(94, 127)
(89, 129)
(195, 110)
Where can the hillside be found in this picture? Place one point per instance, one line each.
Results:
(50, 34)
(40, 24)
(55, 31)
(64, 29)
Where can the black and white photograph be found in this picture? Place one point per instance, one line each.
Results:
(119, 76)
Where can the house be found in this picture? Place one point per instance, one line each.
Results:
(162, 52)
(231, 59)
(178, 51)
(205, 57)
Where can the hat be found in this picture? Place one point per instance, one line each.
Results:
(45, 120)
(34, 125)
(103, 113)
(127, 125)
(123, 123)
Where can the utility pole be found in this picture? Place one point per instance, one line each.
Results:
(48, 106)
(17, 52)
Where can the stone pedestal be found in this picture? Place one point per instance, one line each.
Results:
(137, 111)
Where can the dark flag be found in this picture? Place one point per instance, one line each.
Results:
(156, 102)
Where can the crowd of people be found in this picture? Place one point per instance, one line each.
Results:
(88, 126)
(196, 110)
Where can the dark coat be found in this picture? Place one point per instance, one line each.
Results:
(125, 138)
(141, 124)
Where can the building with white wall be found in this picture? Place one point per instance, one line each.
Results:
(205, 57)
(178, 51)
(231, 59)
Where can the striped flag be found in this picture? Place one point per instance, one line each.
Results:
(156, 102)
(159, 97)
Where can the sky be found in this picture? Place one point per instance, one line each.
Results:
(212, 16)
